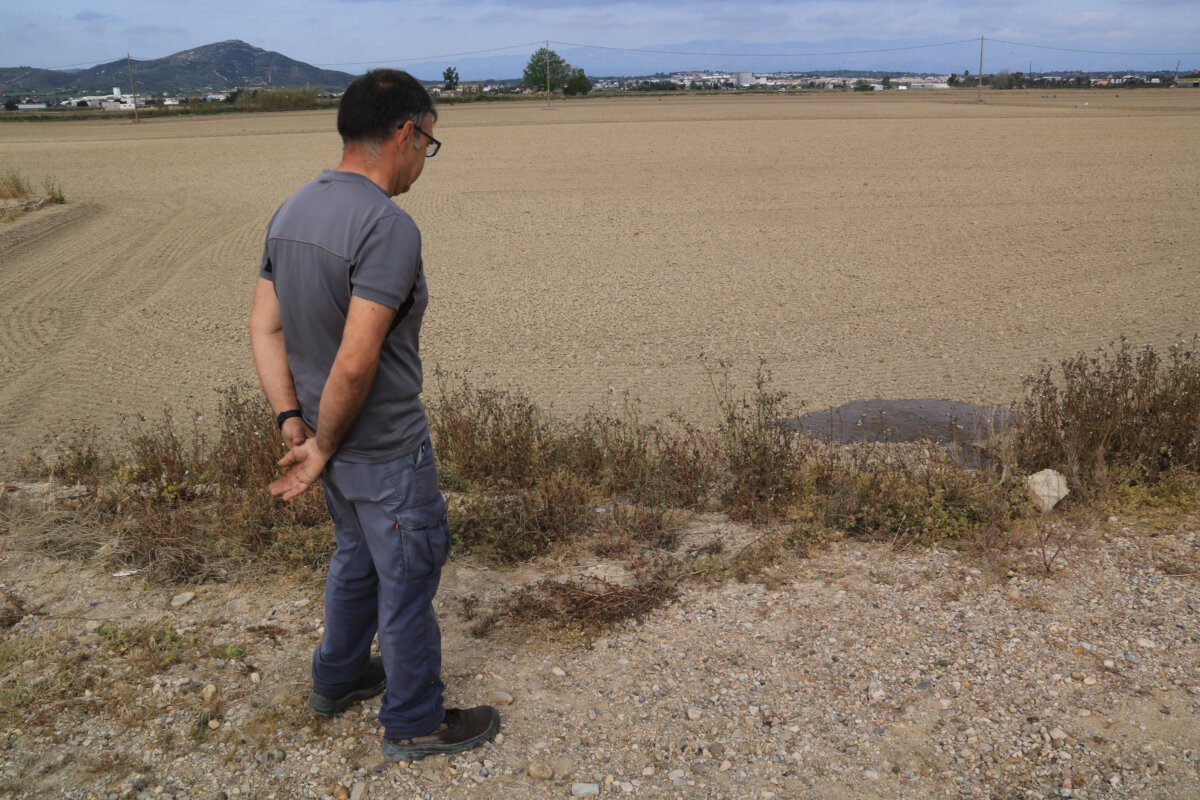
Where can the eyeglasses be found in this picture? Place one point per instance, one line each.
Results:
(434, 145)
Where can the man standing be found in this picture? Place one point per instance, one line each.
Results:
(334, 330)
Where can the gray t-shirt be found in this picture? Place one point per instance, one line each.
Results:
(337, 236)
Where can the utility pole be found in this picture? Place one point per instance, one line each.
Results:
(979, 91)
(132, 88)
(547, 74)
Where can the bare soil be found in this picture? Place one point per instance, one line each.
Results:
(899, 246)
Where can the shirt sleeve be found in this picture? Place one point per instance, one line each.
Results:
(388, 261)
(265, 268)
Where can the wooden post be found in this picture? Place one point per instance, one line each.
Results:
(547, 74)
(979, 92)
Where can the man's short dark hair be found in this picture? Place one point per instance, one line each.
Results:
(375, 103)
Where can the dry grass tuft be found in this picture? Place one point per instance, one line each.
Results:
(589, 606)
(13, 186)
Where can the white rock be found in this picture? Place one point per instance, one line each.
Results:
(558, 672)
(693, 714)
(359, 792)
(182, 599)
(585, 789)
(1047, 488)
(676, 774)
(498, 697)
(208, 692)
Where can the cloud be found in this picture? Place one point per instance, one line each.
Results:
(94, 17)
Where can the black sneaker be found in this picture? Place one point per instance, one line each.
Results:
(373, 682)
(462, 730)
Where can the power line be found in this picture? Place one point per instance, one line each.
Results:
(427, 58)
(83, 64)
(1089, 52)
(768, 55)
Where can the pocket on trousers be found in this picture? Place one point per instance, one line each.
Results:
(425, 535)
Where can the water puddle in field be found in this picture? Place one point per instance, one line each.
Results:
(940, 421)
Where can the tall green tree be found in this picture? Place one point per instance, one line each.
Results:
(450, 76)
(578, 83)
(542, 62)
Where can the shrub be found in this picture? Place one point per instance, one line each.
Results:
(1121, 416)
(762, 448)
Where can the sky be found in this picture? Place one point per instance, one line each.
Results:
(355, 35)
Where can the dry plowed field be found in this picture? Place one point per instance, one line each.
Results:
(899, 246)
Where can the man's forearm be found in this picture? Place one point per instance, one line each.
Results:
(270, 361)
(269, 349)
(342, 398)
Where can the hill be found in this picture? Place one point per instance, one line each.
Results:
(212, 67)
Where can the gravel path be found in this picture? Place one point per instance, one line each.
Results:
(867, 673)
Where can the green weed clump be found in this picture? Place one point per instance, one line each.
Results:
(915, 496)
(1123, 417)
(54, 190)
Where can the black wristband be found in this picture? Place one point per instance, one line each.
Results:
(284, 416)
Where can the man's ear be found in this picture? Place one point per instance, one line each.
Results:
(409, 129)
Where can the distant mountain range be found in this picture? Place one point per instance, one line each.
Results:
(211, 68)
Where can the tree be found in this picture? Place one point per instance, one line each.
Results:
(10, 105)
(450, 76)
(578, 83)
(887, 81)
(952, 80)
(542, 62)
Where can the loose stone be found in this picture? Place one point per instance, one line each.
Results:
(539, 770)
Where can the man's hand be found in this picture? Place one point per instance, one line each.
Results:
(304, 463)
(295, 432)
